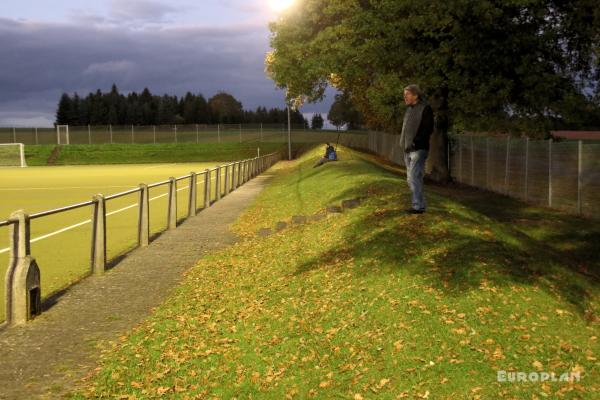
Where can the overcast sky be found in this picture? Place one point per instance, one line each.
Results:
(202, 46)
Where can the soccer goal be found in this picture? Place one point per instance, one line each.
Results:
(12, 155)
(62, 134)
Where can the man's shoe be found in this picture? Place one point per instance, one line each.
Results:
(413, 211)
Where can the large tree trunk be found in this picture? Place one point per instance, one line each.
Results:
(437, 162)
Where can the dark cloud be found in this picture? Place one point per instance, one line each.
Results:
(41, 61)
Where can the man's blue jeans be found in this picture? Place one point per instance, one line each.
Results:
(415, 171)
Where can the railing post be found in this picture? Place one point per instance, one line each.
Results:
(206, 188)
(579, 175)
(550, 173)
(172, 212)
(22, 282)
(99, 235)
(218, 183)
(143, 217)
(233, 175)
(227, 179)
(192, 200)
(239, 174)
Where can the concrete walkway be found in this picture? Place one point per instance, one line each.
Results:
(46, 357)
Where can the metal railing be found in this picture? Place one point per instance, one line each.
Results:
(228, 177)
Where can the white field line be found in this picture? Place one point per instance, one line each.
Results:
(89, 220)
(62, 187)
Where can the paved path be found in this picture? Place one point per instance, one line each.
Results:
(43, 359)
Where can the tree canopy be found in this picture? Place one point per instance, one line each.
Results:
(145, 108)
(524, 65)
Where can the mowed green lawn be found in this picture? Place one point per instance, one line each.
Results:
(65, 257)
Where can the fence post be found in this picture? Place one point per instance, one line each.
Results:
(487, 162)
(23, 286)
(550, 173)
(132, 139)
(172, 212)
(227, 179)
(175, 133)
(154, 133)
(36, 136)
(218, 133)
(197, 134)
(239, 174)
(206, 188)
(579, 175)
(99, 235)
(218, 183)
(460, 159)
(192, 200)
(89, 134)
(526, 167)
(111, 133)
(261, 132)
(14, 135)
(143, 217)
(472, 163)
(506, 166)
(240, 133)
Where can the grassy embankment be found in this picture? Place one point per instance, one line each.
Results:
(374, 303)
(78, 154)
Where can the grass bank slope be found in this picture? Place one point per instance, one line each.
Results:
(373, 303)
(78, 154)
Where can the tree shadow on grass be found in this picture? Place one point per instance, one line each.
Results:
(457, 246)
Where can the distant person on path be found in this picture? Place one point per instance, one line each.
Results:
(330, 155)
(414, 140)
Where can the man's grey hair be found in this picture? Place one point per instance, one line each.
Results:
(416, 90)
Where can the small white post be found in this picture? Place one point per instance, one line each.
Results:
(218, 184)
(22, 154)
(206, 188)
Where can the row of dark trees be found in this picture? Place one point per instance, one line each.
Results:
(145, 108)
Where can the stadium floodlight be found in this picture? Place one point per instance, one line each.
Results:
(12, 155)
(62, 134)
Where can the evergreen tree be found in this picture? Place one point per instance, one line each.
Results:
(317, 121)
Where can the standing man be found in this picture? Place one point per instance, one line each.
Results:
(414, 140)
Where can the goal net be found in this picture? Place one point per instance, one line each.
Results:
(62, 134)
(12, 155)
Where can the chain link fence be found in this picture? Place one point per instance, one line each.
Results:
(563, 175)
(198, 133)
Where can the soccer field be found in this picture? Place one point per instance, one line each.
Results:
(64, 256)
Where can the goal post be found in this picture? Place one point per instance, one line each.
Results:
(62, 134)
(12, 155)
